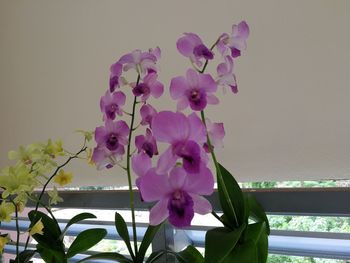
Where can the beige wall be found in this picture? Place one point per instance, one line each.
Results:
(290, 119)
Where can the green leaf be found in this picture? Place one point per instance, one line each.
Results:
(123, 232)
(190, 254)
(147, 240)
(257, 212)
(86, 240)
(51, 255)
(25, 256)
(243, 253)
(52, 231)
(155, 256)
(257, 234)
(108, 256)
(77, 219)
(219, 242)
(234, 199)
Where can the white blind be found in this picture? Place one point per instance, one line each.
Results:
(289, 121)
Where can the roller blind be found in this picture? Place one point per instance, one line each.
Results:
(289, 121)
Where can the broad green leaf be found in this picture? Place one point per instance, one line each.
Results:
(122, 230)
(243, 253)
(51, 255)
(190, 254)
(155, 256)
(257, 234)
(52, 232)
(234, 199)
(25, 256)
(76, 219)
(219, 242)
(107, 256)
(86, 240)
(146, 241)
(257, 212)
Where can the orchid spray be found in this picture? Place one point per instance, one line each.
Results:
(179, 178)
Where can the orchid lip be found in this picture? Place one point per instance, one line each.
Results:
(180, 206)
(112, 142)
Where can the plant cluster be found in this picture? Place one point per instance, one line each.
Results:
(179, 178)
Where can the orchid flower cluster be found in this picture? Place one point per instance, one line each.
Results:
(179, 177)
(18, 183)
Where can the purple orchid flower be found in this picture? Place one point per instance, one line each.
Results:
(236, 42)
(192, 46)
(149, 86)
(147, 113)
(146, 143)
(184, 134)
(142, 62)
(113, 136)
(141, 163)
(216, 133)
(226, 77)
(179, 195)
(104, 158)
(155, 52)
(194, 90)
(111, 104)
(115, 79)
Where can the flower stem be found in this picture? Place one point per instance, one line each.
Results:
(207, 61)
(218, 173)
(132, 204)
(49, 180)
(17, 230)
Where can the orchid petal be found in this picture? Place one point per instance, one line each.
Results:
(154, 187)
(159, 212)
(201, 205)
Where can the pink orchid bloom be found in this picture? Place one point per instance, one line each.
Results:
(147, 113)
(147, 144)
(192, 46)
(149, 86)
(226, 77)
(111, 104)
(184, 134)
(142, 62)
(236, 42)
(179, 195)
(115, 79)
(195, 90)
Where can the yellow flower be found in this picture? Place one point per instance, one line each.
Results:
(54, 149)
(89, 157)
(3, 241)
(26, 154)
(16, 180)
(63, 178)
(6, 209)
(54, 197)
(37, 228)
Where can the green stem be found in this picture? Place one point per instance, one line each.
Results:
(132, 202)
(207, 61)
(17, 231)
(218, 172)
(49, 180)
